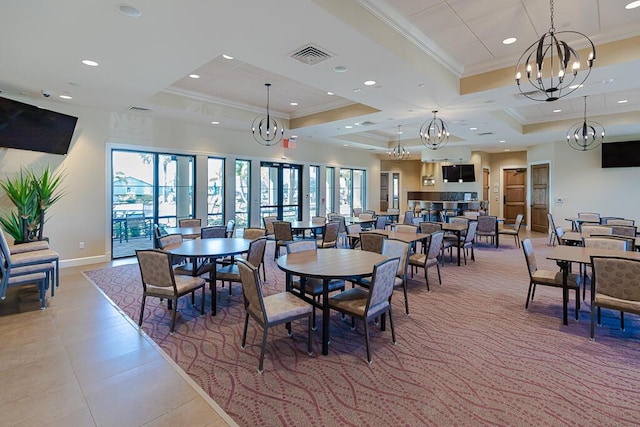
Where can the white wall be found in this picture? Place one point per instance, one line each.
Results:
(83, 215)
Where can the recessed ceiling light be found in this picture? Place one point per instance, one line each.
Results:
(473, 128)
(557, 111)
(340, 69)
(129, 11)
(227, 56)
(575, 86)
(215, 123)
(633, 5)
(330, 93)
(346, 145)
(90, 63)
(348, 127)
(293, 136)
(502, 141)
(65, 96)
(194, 76)
(623, 101)
(293, 103)
(509, 40)
(369, 82)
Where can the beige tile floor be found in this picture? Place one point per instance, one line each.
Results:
(81, 362)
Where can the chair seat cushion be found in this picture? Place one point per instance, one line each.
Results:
(33, 257)
(284, 305)
(323, 244)
(351, 301)
(184, 284)
(25, 278)
(314, 286)
(508, 231)
(36, 245)
(617, 303)
(33, 268)
(228, 273)
(554, 278)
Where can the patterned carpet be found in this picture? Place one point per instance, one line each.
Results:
(469, 353)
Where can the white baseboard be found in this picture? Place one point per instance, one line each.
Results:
(75, 262)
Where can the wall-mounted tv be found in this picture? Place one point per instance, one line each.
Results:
(453, 173)
(27, 127)
(621, 154)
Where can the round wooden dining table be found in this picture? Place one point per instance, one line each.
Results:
(211, 249)
(327, 264)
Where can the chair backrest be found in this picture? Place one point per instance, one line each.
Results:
(551, 223)
(256, 251)
(486, 224)
(372, 242)
(588, 230)
(627, 222)
(589, 216)
(330, 234)
(301, 246)
(400, 249)
(529, 256)
(430, 227)
(364, 216)
(435, 244)
(169, 241)
(393, 211)
(631, 241)
(381, 222)
(382, 282)
(282, 230)
(416, 221)
(4, 244)
(253, 233)
(318, 219)
(231, 227)
(559, 234)
(268, 223)
(342, 221)
(408, 216)
(354, 228)
(190, 222)
(155, 269)
(518, 223)
(473, 206)
(450, 205)
(357, 212)
(473, 215)
(604, 220)
(404, 228)
(617, 278)
(624, 230)
(370, 212)
(471, 232)
(459, 220)
(251, 289)
(605, 243)
(213, 232)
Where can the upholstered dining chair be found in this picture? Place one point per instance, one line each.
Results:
(372, 242)
(602, 242)
(552, 229)
(381, 223)
(616, 285)
(330, 235)
(159, 280)
(229, 273)
(515, 231)
(368, 304)
(433, 248)
(342, 231)
(365, 216)
(408, 217)
(356, 212)
(488, 227)
(546, 277)
(466, 243)
(312, 286)
(283, 234)
(253, 233)
(190, 222)
(588, 229)
(429, 228)
(268, 225)
(214, 231)
(405, 228)
(624, 230)
(269, 311)
(170, 241)
(353, 229)
(9, 279)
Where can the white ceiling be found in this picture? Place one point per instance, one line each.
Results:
(416, 51)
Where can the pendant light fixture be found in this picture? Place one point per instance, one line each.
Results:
(267, 130)
(554, 72)
(399, 152)
(434, 134)
(586, 135)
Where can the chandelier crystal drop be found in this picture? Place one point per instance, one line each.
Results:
(551, 67)
(399, 152)
(586, 135)
(434, 134)
(267, 130)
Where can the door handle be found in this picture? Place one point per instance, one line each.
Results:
(504, 199)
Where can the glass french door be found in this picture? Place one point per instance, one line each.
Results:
(280, 191)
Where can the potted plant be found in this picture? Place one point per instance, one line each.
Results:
(32, 194)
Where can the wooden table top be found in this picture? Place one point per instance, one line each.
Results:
(392, 234)
(215, 247)
(306, 225)
(583, 255)
(330, 263)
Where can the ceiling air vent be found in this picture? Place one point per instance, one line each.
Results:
(531, 94)
(365, 123)
(311, 55)
(141, 109)
(485, 133)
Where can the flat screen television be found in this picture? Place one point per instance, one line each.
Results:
(621, 154)
(27, 127)
(453, 173)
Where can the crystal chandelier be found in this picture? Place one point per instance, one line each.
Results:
(267, 130)
(399, 152)
(434, 134)
(586, 135)
(554, 74)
